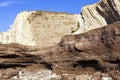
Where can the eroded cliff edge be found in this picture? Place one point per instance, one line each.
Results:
(94, 55)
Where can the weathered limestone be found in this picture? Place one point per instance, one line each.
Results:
(40, 28)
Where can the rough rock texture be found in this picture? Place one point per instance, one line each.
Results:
(94, 55)
(99, 15)
(40, 28)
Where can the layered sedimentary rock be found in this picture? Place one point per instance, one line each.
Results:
(76, 57)
(40, 28)
(98, 15)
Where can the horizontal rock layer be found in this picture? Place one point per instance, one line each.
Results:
(95, 51)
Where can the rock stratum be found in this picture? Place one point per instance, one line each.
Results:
(43, 28)
(94, 55)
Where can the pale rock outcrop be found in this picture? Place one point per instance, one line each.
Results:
(40, 28)
(99, 15)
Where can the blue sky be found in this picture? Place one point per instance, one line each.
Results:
(10, 8)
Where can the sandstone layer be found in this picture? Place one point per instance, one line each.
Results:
(76, 57)
(40, 28)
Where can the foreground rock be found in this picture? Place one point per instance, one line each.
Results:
(96, 52)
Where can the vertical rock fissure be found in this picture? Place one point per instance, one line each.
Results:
(113, 11)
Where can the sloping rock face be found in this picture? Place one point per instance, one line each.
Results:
(94, 55)
(40, 28)
(99, 15)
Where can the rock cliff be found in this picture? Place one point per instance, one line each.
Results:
(94, 55)
(98, 15)
(40, 28)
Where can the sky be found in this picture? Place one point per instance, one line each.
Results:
(10, 8)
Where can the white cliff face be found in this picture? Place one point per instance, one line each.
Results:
(20, 32)
(40, 28)
(24, 33)
(99, 15)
